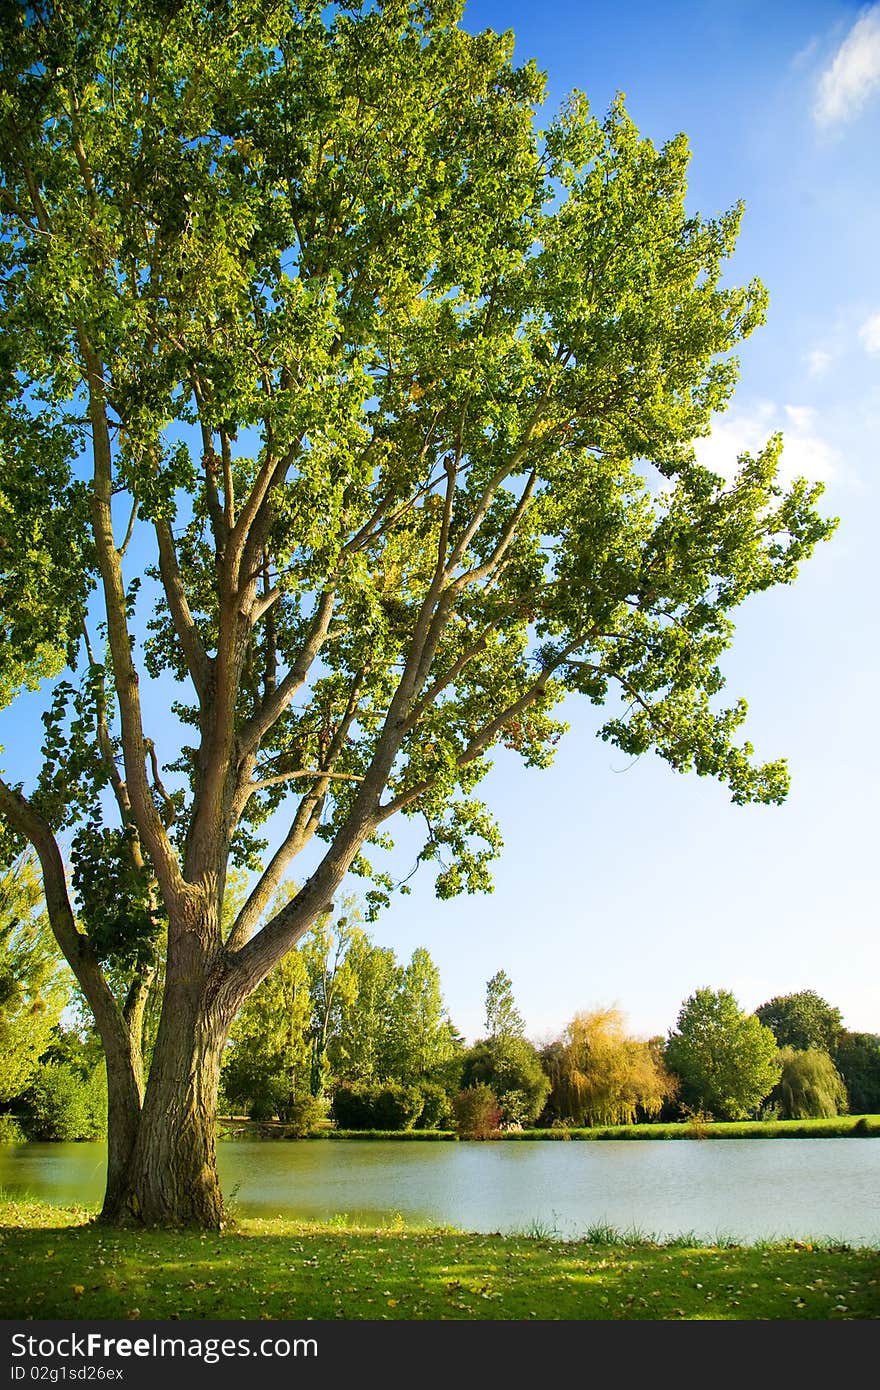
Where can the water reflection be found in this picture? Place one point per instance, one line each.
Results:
(742, 1189)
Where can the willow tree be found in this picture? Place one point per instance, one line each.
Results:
(347, 427)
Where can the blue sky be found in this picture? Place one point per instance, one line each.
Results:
(623, 883)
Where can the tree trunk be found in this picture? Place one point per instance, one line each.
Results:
(171, 1177)
(123, 1123)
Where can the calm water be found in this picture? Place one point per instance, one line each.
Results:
(745, 1189)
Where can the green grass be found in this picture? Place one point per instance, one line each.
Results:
(57, 1263)
(838, 1127)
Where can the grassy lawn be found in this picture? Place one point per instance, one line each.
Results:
(55, 1264)
(230, 1128)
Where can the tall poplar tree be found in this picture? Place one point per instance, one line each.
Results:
(336, 395)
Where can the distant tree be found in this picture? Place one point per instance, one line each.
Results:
(362, 1048)
(503, 1018)
(601, 1076)
(725, 1059)
(857, 1058)
(422, 1036)
(332, 985)
(33, 990)
(477, 1112)
(511, 1068)
(810, 1086)
(802, 1021)
(62, 1104)
(267, 1061)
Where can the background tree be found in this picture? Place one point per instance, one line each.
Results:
(267, 1064)
(601, 1076)
(32, 989)
(362, 1049)
(423, 1040)
(511, 1068)
(810, 1085)
(505, 1061)
(802, 1021)
(503, 1018)
(332, 986)
(857, 1058)
(328, 392)
(725, 1059)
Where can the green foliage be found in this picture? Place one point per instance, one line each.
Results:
(266, 1067)
(11, 1131)
(511, 1068)
(857, 1058)
(600, 1076)
(362, 1049)
(810, 1086)
(725, 1059)
(376, 380)
(802, 1021)
(477, 1112)
(503, 1018)
(436, 1111)
(423, 1039)
(62, 1104)
(388, 1105)
(32, 989)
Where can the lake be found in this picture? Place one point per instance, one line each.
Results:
(743, 1189)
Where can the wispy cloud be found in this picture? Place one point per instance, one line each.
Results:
(818, 361)
(869, 333)
(854, 73)
(805, 453)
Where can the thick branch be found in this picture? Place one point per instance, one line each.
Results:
(75, 946)
(126, 681)
(197, 661)
(278, 700)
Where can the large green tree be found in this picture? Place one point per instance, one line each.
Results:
(803, 1021)
(337, 396)
(857, 1058)
(725, 1059)
(809, 1086)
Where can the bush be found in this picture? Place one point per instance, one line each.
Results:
(477, 1112)
(303, 1115)
(511, 1068)
(436, 1110)
(11, 1131)
(386, 1105)
(64, 1105)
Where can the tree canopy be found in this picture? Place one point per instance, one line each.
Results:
(341, 401)
(725, 1058)
(602, 1076)
(803, 1021)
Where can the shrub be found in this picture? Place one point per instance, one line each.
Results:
(62, 1104)
(511, 1068)
(384, 1105)
(436, 1110)
(302, 1115)
(11, 1131)
(477, 1112)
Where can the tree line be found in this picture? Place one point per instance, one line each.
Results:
(344, 1031)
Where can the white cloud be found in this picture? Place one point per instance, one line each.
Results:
(854, 73)
(818, 361)
(804, 455)
(870, 333)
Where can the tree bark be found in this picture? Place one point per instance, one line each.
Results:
(171, 1176)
